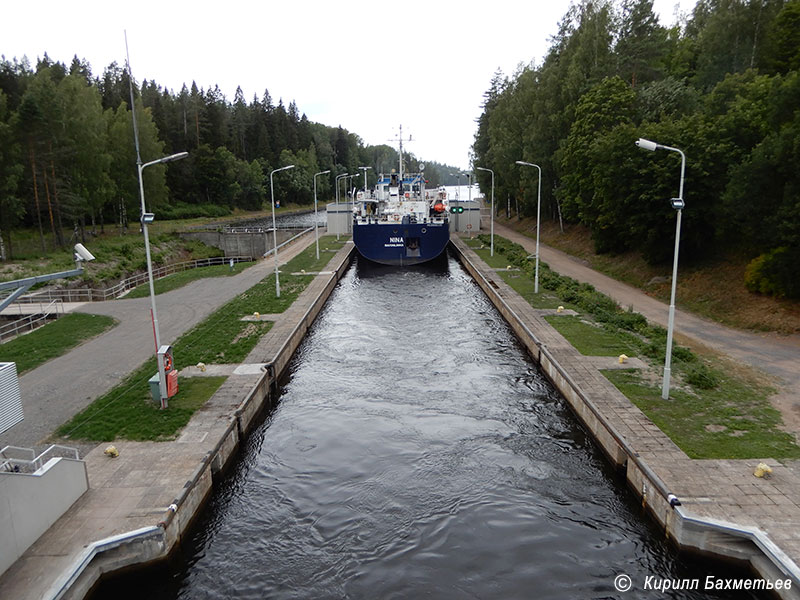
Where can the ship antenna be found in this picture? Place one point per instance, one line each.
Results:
(400, 138)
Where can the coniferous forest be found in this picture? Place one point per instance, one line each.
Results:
(723, 86)
(68, 158)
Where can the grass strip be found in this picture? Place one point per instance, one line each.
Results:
(221, 338)
(593, 340)
(178, 280)
(54, 339)
(732, 421)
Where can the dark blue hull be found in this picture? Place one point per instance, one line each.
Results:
(401, 244)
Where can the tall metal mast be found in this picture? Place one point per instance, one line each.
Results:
(400, 138)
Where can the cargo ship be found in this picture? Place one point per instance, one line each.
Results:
(400, 222)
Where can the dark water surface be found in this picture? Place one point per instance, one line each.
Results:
(416, 452)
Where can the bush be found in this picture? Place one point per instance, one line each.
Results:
(700, 376)
(182, 210)
(775, 273)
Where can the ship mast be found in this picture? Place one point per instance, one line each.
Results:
(400, 138)
(401, 155)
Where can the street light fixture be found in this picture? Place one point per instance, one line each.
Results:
(274, 228)
(491, 237)
(538, 214)
(316, 219)
(678, 204)
(338, 177)
(147, 218)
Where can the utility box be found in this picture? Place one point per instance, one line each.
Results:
(10, 396)
(164, 384)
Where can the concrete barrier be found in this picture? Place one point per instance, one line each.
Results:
(31, 502)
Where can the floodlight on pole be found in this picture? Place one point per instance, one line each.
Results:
(678, 204)
(316, 219)
(491, 236)
(274, 228)
(538, 215)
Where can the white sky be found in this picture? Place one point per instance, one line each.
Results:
(366, 66)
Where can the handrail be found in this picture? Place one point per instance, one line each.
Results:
(29, 322)
(34, 463)
(290, 240)
(89, 294)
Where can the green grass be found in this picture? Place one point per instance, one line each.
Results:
(515, 277)
(734, 420)
(714, 411)
(221, 338)
(593, 340)
(54, 339)
(177, 280)
(128, 411)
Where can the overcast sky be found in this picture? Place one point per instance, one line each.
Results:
(366, 66)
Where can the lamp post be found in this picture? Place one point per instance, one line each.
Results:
(147, 218)
(352, 197)
(538, 212)
(677, 204)
(458, 184)
(316, 219)
(365, 169)
(350, 184)
(469, 189)
(338, 177)
(491, 237)
(274, 228)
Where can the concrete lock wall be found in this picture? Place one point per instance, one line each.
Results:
(31, 503)
(340, 218)
(253, 244)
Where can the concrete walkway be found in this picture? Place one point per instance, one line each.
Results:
(774, 354)
(57, 390)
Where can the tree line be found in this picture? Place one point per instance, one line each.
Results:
(68, 159)
(723, 85)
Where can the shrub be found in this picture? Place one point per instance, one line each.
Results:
(700, 376)
(775, 273)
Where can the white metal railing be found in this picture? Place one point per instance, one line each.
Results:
(31, 321)
(14, 459)
(92, 295)
(254, 229)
